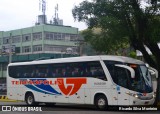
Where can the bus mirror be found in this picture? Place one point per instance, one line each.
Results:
(153, 71)
(128, 68)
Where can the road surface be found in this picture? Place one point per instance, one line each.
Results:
(67, 109)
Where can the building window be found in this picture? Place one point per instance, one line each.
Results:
(26, 38)
(16, 39)
(0, 66)
(6, 40)
(37, 48)
(64, 49)
(56, 36)
(0, 41)
(73, 37)
(49, 36)
(26, 49)
(53, 48)
(67, 37)
(18, 49)
(4, 67)
(61, 36)
(37, 36)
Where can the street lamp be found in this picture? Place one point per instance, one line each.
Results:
(10, 48)
(80, 43)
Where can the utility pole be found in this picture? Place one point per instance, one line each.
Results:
(80, 44)
(10, 48)
(61, 53)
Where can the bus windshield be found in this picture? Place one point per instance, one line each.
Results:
(122, 77)
(142, 81)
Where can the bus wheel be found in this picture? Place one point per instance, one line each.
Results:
(30, 99)
(101, 102)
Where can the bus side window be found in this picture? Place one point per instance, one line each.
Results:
(122, 76)
(69, 71)
(75, 72)
(33, 73)
(94, 69)
(81, 71)
(112, 73)
(56, 71)
(12, 70)
(64, 73)
(48, 73)
(27, 71)
(118, 74)
(88, 72)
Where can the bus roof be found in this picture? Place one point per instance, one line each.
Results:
(80, 59)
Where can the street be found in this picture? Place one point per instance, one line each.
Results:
(67, 109)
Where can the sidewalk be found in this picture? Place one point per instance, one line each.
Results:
(3, 98)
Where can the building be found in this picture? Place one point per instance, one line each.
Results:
(37, 42)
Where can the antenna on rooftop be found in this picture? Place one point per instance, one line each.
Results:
(42, 8)
(56, 20)
(56, 15)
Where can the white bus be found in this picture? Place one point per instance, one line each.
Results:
(96, 80)
(154, 76)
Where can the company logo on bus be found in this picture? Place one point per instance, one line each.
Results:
(68, 86)
(73, 85)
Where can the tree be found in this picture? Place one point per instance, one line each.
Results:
(138, 21)
(103, 43)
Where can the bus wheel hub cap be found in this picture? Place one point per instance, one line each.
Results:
(30, 99)
(101, 102)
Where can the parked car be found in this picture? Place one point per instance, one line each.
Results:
(3, 87)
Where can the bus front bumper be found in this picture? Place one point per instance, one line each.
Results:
(139, 102)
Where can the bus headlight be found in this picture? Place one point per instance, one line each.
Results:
(136, 96)
(154, 95)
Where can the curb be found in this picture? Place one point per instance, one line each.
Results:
(4, 98)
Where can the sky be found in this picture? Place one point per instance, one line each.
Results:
(17, 14)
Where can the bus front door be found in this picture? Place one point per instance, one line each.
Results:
(123, 95)
(122, 82)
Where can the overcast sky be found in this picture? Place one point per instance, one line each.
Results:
(17, 14)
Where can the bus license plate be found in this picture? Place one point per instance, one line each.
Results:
(146, 103)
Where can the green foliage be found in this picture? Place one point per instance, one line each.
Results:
(133, 54)
(121, 22)
(102, 14)
(155, 30)
(101, 41)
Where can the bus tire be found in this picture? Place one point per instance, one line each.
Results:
(30, 99)
(101, 102)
